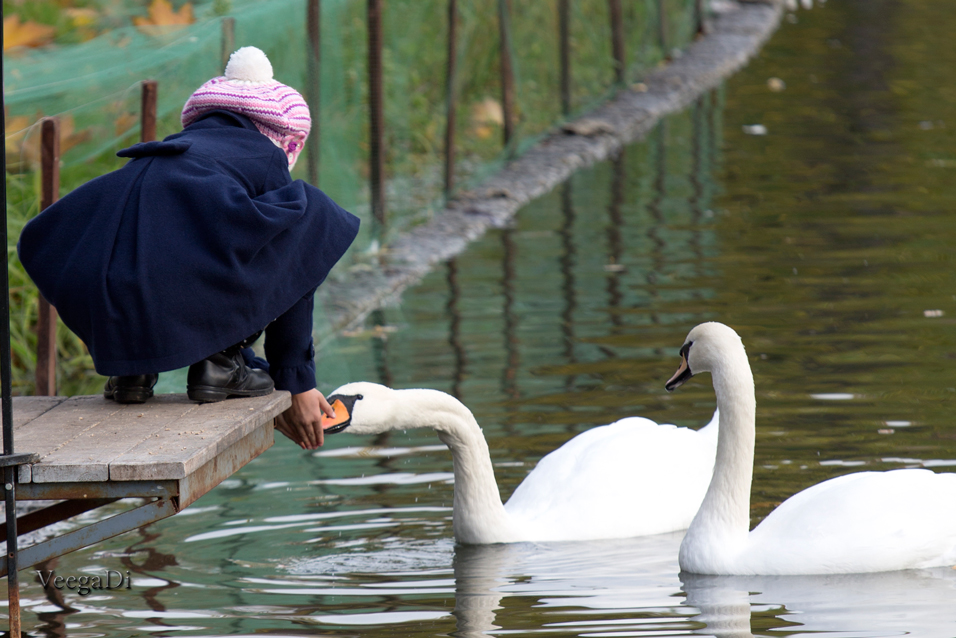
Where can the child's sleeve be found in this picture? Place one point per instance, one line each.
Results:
(289, 348)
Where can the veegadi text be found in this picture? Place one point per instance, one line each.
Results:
(84, 585)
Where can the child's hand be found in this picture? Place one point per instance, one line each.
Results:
(303, 421)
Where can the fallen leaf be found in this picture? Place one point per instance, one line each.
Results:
(162, 18)
(25, 34)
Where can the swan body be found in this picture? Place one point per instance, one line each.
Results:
(862, 522)
(631, 478)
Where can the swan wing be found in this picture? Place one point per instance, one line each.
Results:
(631, 478)
(862, 522)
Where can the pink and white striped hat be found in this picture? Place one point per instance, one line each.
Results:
(247, 87)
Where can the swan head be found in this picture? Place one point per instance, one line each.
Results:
(708, 348)
(362, 408)
(370, 408)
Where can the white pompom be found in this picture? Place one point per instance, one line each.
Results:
(249, 64)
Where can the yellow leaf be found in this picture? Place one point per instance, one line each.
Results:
(25, 34)
(16, 131)
(162, 18)
(82, 17)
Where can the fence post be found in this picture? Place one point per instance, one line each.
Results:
(702, 20)
(147, 114)
(564, 46)
(376, 111)
(228, 40)
(662, 29)
(617, 39)
(46, 320)
(507, 74)
(451, 101)
(314, 88)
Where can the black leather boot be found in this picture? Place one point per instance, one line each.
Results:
(130, 389)
(225, 375)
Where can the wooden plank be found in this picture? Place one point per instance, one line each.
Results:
(186, 444)
(47, 429)
(106, 431)
(25, 410)
(92, 439)
(227, 462)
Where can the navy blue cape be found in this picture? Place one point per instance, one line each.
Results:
(198, 242)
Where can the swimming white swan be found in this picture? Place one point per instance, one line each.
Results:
(630, 478)
(863, 522)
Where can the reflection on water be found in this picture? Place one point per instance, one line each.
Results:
(825, 243)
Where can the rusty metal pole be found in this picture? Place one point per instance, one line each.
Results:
(228, 40)
(451, 101)
(507, 74)
(313, 21)
(46, 320)
(9, 460)
(376, 111)
(6, 390)
(564, 51)
(617, 39)
(147, 114)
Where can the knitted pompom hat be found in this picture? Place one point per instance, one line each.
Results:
(247, 87)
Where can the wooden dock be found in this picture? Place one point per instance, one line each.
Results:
(94, 451)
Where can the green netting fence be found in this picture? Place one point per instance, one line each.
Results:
(90, 77)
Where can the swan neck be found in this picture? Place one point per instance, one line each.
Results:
(479, 516)
(725, 511)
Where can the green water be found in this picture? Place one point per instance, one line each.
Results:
(827, 243)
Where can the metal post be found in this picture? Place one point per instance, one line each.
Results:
(451, 102)
(376, 111)
(147, 129)
(6, 409)
(228, 40)
(313, 22)
(10, 461)
(564, 51)
(46, 320)
(617, 39)
(507, 74)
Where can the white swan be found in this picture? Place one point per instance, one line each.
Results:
(630, 478)
(863, 522)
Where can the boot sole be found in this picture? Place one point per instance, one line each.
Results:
(209, 394)
(130, 395)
